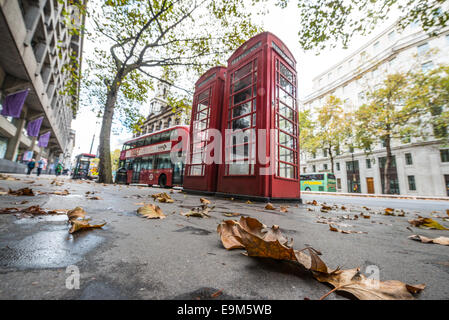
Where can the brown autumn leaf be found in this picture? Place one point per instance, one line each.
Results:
(95, 198)
(80, 224)
(76, 213)
(440, 240)
(22, 192)
(270, 206)
(216, 294)
(365, 216)
(332, 228)
(231, 214)
(447, 212)
(389, 212)
(363, 288)
(284, 209)
(426, 223)
(204, 201)
(199, 212)
(259, 241)
(162, 197)
(249, 202)
(151, 211)
(61, 193)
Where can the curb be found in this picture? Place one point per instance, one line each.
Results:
(390, 196)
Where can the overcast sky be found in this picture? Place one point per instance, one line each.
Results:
(281, 22)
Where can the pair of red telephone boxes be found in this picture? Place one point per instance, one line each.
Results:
(248, 112)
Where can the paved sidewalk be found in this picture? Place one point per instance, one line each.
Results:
(180, 257)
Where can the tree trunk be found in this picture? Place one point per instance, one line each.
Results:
(388, 163)
(332, 159)
(105, 167)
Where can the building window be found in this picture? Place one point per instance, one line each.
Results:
(313, 168)
(325, 166)
(338, 183)
(411, 183)
(314, 155)
(338, 166)
(427, 66)
(324, 153)
(376, 46)
(444, 155)
(304, 169)
(368, 163)
(423, 49)
(351, 149)
(408, 159)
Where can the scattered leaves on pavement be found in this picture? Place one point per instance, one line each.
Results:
(260, 241)
(8, 177)
(151, 211)
(440, 240)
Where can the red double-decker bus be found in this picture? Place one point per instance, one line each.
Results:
(147, 160)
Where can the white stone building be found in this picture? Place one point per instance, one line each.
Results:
(422, 165)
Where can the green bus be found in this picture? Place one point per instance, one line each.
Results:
(322, 181)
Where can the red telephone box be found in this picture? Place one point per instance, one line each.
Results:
(206, 114)
(260, 100)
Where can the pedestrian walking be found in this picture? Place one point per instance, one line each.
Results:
(40, 166)
(58, 169)
(31, 164)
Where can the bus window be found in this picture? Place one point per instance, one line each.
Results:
(144, 165)
(150, 162)
(156, 138)
(163, 161)
(139, 143)
(331, 176)
(164, 136)
(148, 140)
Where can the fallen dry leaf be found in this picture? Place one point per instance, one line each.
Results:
(162, 197)
(426, 223)
(440, 240)
(78, 225)
(22, 192)
(76, 213)
(204, 201)
(389, 212)
(284, 209)
(249, 202)
(151, 211)
(260, 241)
(332, 228)
(270, 206)
(231, 214)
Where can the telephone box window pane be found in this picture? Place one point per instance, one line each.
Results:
(241, 109)
(204, 95)
(287, 86)
(238, 168)
(286, 98)
(286, 170)
(242, 96)
(286, 112)
(196, 170)
(243, 83)
(287, 73)
(241, 123)
(286, 140)
(286, 125)
(286, 155)
(239, 74)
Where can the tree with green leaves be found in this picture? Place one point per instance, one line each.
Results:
(141, 41)
(330, 130)
(333, 22)
(430, 91)
(307, 139)
(387, 116)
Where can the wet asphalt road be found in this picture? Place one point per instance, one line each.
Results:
(182, 258)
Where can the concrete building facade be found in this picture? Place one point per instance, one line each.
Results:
(38, 49)
(421, 164)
